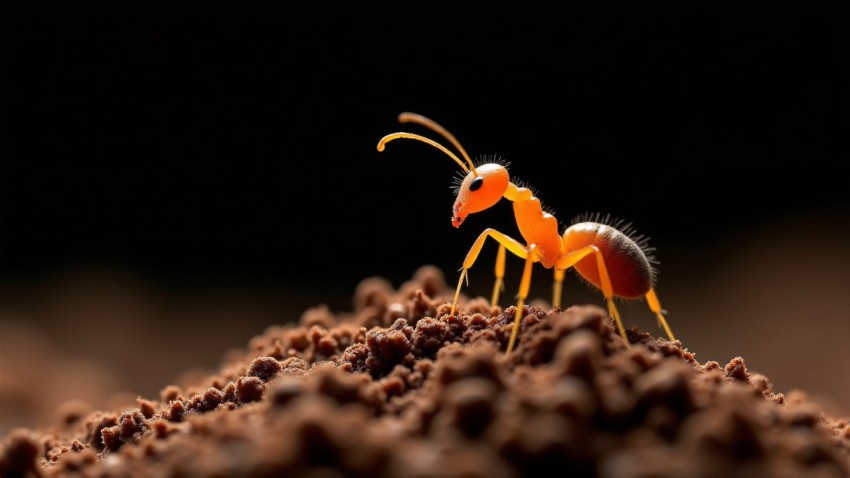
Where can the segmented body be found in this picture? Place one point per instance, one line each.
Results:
(628, 266)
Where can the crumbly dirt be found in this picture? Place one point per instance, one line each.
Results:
(399, 388)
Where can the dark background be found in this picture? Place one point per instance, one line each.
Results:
(175, 181)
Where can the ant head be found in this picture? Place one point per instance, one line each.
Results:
(479, 191)
(481, 188)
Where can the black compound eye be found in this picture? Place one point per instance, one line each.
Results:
(476, 183)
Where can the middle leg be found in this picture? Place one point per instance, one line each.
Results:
(557, 286)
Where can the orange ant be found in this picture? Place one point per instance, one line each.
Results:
(607, 257)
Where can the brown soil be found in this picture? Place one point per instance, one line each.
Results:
(400, 388)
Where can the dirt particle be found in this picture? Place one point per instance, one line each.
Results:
(249, 389)
(18, 455)
(264, 368)
(146, 407)
(737, 370)
(286, 389)
(470, 406)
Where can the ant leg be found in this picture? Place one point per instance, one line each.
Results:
(500, 274)
(556, 287)
(655, 306)
(457, 291)
(573, 257)
(508, 242)
(524, 286)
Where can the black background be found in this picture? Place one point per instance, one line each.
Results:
(239, 145)
(234, 149)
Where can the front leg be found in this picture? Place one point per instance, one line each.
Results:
(524, 286)
(509, 243)
(499, 286)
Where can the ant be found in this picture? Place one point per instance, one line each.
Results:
(604, 254)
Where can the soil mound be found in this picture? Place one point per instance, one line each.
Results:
(398, 388)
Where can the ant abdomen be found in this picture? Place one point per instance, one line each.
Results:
(629, 267)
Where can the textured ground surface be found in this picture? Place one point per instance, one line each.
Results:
(399, 388)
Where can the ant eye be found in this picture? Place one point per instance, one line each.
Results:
(476, 183)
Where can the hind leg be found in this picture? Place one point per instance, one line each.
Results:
(655, 306)
(573, 257)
